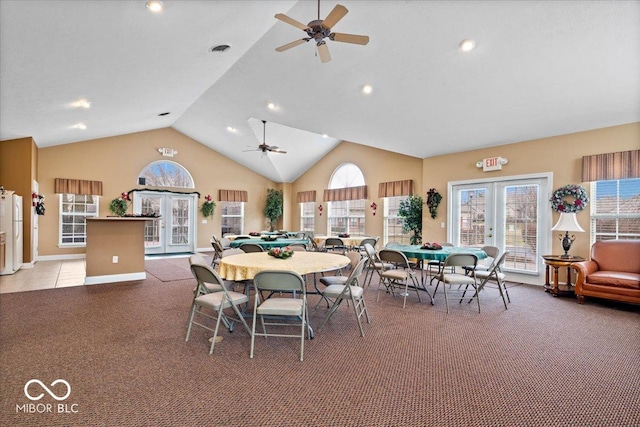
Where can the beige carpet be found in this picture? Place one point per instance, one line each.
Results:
(543, 362)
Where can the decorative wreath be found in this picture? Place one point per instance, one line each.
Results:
(579, 194)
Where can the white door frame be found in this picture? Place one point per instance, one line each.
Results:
(544, 219)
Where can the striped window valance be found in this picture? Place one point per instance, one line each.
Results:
(306, 196)
(78, 186)
(395, 188)
(347, 193)
(233, 196)
(620, 165)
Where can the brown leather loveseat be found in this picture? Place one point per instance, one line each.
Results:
(613, 272)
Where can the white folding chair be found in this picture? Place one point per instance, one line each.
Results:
(494, 273)
(447, 278)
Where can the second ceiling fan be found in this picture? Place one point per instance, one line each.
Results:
(264, 147)
(319, 30)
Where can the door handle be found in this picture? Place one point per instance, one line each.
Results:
(490, 235)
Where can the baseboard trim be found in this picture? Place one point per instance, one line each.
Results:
(113, 278)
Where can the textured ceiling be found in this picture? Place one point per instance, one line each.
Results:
(539, 69)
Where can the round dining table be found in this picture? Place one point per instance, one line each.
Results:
(244, 267)
(268, 244)
(348, 241)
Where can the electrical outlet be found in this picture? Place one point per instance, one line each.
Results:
(204, 221)
(442, 225)
(115, 259)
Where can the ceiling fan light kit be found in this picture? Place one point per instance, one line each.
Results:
(319, 30)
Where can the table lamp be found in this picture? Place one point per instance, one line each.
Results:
(567, 223)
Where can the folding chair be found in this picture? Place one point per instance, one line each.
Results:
(399, 276)
(278, 309)
(375, 264)
(495, 273)
(335, 245)
(215, 301)
(339, 279)
(350, 290)
(487, 263)
(251, 247)
(446, 278)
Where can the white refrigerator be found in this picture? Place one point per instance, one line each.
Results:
(11, 224)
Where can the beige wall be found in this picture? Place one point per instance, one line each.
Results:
(18, 170)
(376, 165)
(561, 155)
(117, 162)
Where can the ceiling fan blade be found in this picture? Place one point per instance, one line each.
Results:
(272, 147)
(291, 21)
(349, 38)
(278, 151)
(290, 45)
(323, 51)
(334, 16)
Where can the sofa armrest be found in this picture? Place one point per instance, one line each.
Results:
(583, 269)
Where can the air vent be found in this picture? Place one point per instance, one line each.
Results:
(220, 48)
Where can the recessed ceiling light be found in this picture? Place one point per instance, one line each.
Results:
(467, 45)
(324, 135)
(154, 6)
(81, 103)
(231, 129)
(271, 106)
(367, 89)
(80, 126)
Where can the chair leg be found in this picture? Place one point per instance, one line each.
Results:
(355, 310)
(193, 313)
(446, 300)
(215, 333)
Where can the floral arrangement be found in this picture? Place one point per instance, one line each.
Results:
(254, 233)
(431, 246)
(343, 235)
(118, 206)
(579, 194)
(269, 237)
(282, 253)
(433, 200)
(208, 207)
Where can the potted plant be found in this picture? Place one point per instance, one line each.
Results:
(273, 207)
(410, 210)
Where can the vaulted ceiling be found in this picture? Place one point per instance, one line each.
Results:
(540, 68)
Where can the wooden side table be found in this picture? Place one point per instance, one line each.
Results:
(556, 262)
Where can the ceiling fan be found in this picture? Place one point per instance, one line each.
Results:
(264, 148)
(319, 30)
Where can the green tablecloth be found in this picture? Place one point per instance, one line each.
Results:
(414, 251)
(266, 244)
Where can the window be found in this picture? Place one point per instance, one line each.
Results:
(615, 209)
(307, 216)
(392, 222)
(74, 210)
(346, 216)
(164, 173)
(232, 217)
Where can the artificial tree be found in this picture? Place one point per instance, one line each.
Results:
(273, 207)
(410, 210)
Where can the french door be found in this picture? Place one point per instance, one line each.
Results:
(175, 229)
(506, 213)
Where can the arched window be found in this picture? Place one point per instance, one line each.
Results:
(346, 216)
(164, 173)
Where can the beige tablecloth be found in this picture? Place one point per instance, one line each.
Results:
(245, 266)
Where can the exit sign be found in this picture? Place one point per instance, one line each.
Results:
(493, 164)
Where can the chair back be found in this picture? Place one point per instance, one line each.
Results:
(205, 274)
(354, 258)
(333, 241)
(491, 251)
(394, 257)
(279, 281)
(251, 247)
(497, 266)
(217, 246)
(298, 247)
(301, 235)
(197, 259)
(373, 241)
(232, 251)
(356, 272)
(459, 260)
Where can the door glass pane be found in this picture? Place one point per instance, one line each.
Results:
(151, 205)
(180, 222)
(472, 217)
(521, 227)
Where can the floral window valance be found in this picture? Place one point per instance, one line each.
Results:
(609, 166)
(78, 186)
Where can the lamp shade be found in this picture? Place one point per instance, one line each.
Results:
(568, 222)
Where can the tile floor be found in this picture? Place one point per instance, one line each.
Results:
(45, 275)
